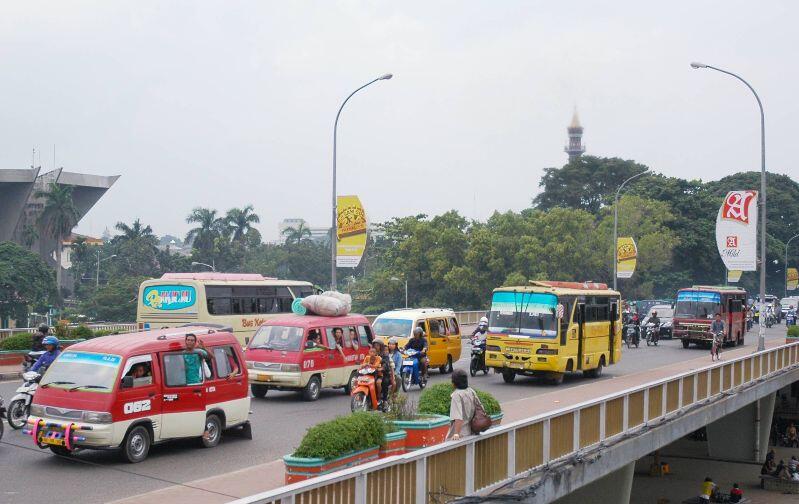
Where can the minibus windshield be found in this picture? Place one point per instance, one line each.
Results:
(524, 314)
(274, 337)
(393, 327)
(697, 304)
(91, 372)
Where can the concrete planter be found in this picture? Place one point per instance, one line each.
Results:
(300, 469)
(393, 444)
(496, 419)
(428, 430)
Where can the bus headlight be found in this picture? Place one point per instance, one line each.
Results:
(96, 417)
(250, 364)
(290, 368)
(547, 351)
(492, 348)
(37, 410)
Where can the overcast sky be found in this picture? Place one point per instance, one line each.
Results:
(222, 104)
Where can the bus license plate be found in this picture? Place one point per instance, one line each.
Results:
(407, 363)
(520, 350)
(517, 365)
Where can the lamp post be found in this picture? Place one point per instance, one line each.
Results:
(395, 279)
(616, 226)
(333, 222)
(195, 263)
(787, 244)
(761, 336)
(97, 277)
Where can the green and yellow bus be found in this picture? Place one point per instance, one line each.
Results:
(242, 301)
(548, 329)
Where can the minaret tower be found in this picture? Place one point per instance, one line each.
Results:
(575, 148)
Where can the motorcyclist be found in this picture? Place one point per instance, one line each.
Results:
(790, 317)
(482, 328)
(396, 360)
(654, 319)
(37, 337)
(386, 381)
(419, 343)
(51, 354)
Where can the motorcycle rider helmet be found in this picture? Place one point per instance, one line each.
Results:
(394, 340)
(44, 329)
(418, 331)
(483, 321)
(50, 340)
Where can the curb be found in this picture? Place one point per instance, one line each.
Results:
(10, 376)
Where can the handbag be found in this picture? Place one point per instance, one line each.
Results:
(480, 422)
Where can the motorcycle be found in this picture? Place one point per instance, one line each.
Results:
(769, 320)
(20, 405)
(30, 359)
(790, 319)
(411, 370)
(652, 334)
(364, 394)
(631, 336)
(478, 357)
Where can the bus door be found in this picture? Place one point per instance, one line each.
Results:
(581, 335)
(614, 315)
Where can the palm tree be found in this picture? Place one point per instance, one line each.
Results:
(209, 228)
(29, 235)
(58, 218)
(134, 232)
(240, 222)
(296, 234)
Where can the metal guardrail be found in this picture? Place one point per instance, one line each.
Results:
(484, 462)
(5, 333)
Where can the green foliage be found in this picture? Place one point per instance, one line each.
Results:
(103, 332)
(21, 341)
(58, 217)
(116, 301)
(26, 282)
(400, 407)
(341, 435)
(436, 400)
(61, 330)
(81, 332)
(793, 331)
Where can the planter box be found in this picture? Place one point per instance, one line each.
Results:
(496, 419)
(393, 444)
(426, 431)
(300, 469)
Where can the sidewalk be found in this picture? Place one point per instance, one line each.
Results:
(10, 373)
(268, 476)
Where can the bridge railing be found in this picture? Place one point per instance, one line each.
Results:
(481, 463)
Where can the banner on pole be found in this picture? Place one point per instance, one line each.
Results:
(733, 276)
(736, 230)
(627, 254)
(793, 278)
(350, 231)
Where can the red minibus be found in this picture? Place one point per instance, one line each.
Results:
(697, 306)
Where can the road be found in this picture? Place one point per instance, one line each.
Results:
(279, 421)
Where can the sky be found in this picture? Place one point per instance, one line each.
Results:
(227, 103)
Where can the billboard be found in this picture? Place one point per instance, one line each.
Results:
(736, 230)
(627, 257)
(350, 231)
(793, 278)
(733, 276)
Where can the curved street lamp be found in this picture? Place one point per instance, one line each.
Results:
(195, 263)
(761, 339)
(616, 226)
(333, 225)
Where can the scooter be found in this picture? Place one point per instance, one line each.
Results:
(364, 395)
(769, 320)
(30, 359)
(411, 374)
(20, 405)
(631, 336)
(478, 357)
(652, 334)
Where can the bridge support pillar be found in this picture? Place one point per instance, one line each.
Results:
(614, 488)
(742, 435)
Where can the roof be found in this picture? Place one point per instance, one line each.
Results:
(414, 313)
(719, 288)
(212, 275)
(89, 240)
(316, 320)
(563, 288)
(148, 341)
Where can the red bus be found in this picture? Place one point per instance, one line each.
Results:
(697, 306)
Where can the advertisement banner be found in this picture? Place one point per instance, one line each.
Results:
(627, 254)
(350, 231)
(736, 230)
(793, 278)
(733, 276)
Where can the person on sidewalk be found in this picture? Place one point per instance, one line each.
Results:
(708, 489)
(462, 405)
(736, 494)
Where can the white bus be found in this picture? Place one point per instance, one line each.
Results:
(242, 301)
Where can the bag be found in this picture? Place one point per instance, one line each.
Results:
(480, 422)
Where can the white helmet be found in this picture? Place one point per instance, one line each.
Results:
(483, 321)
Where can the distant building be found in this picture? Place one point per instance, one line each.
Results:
(20, 208)
(575, 148)
(69, 243)
(318, 234)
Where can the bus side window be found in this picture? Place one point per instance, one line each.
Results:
(365, 335)
(453, 326)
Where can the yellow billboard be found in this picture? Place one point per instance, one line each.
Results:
(350, 231)
(627, 255)
(793, 278)
(733, 276)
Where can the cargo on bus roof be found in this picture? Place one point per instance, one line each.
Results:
(212, 275)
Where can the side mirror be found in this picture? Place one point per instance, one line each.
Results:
(127, 382)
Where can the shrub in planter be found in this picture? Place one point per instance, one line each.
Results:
(21, 341)
(793, 331)
(81, 332)
(436, 400)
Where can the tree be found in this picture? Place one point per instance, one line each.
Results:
(240, 223)
(202, 237)
(115, 301)
(136, 249)
(25, 281)
(296, 234)
(58, 219)
(29, 235)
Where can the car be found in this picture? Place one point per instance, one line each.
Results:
(130, 391)
(665, 314)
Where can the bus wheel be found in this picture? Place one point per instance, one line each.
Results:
(350, 383)
(446, 368)
(686, 343)
(593, 373)
(557, 378)
(508, 376)
(312, 389)
(740, 341)
(136, 444)
(258, 390)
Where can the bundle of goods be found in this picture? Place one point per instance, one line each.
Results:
(328, 304)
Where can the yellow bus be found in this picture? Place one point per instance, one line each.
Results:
(548, 329)
(242, 301)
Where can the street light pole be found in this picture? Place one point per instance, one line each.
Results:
(616, 226)
(787, 244)
(395, 279)
(97, 276)
(195, 263)
(335, 215)
(761, 337)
